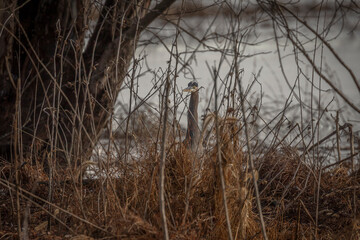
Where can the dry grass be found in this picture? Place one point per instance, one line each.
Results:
(127, 206)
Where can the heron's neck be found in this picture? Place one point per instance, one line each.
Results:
(193, 105)
(193, 132)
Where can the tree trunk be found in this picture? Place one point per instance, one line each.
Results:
(65, 90)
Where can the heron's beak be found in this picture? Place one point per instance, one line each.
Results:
(191, 89)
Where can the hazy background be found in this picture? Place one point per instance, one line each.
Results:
(260, 57)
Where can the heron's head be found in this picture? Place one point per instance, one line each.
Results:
(192, 87)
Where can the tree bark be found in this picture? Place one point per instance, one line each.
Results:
(67, 91)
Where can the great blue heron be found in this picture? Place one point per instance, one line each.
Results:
(193, 132)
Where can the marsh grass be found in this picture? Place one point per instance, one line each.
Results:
(122, 201)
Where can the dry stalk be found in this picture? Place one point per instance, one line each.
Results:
(162, 163)
(258, 203)
(218, 143)
(338, 136)
(18, 153)
(353, 167)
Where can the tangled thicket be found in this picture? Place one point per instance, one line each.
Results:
(123, 200)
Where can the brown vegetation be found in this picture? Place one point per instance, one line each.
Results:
(124, 204)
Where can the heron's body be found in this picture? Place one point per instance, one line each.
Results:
(193, 132)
